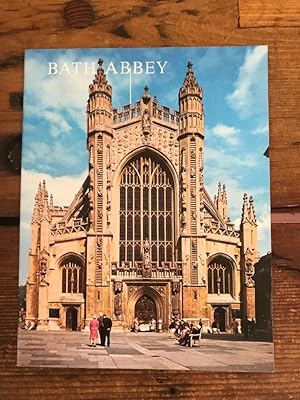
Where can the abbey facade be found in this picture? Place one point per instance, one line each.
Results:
(142, 236)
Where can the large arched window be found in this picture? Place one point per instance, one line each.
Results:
(146, 209)
(72, 276)
(220, 276)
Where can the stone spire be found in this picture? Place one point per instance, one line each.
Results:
(51, 205)
(251, 211)
(245, 213)
(224, 195)
(190, 84)
(221, 202)
(99, 107)
(42, 207)
(219, 194)
(190, 106)
(100, 83)
(35, 214)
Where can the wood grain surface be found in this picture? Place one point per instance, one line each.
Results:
(257, 13)
(37, 24)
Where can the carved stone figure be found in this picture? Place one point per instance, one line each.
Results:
(146, 122)
(175, 287)
(118, 286)
(249, 268)
(118, 305)
(43, 265)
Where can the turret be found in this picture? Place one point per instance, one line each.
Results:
(190, 105)
(100, 134)
(99, 127)
(191, 145)
(99, 108)
(249, 255)
(249, 223)
(38, 254)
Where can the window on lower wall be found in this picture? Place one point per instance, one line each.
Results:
(220, 278)
(72, 276)
(54, 313)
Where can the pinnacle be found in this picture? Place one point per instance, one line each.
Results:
(190, 65)
(190, 84)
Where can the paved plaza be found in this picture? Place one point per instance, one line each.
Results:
(143, 351)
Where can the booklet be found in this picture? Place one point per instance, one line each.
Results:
(145, 209)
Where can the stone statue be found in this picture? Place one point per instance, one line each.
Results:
(118, 305)
(146, 122)
(146, 259)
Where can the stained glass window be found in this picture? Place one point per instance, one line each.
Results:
(146, 209)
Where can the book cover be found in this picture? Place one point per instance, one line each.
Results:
(145, 215)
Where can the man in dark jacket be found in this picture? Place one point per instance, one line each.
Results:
(101, 329)
(107, 324)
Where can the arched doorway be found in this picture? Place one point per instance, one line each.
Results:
(145, 309)
(71, 319)
(220, 315)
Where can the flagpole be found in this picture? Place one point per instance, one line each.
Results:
(130, 87)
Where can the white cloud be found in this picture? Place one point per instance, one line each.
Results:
(228, 133)
(261, 130)
(249, 96)
(218, 160)
(58, 125)
(264, 224)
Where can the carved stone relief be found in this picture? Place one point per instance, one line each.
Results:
(160, 290)
(132, 290)
(249, 268)
(43, 265)
(129, 139)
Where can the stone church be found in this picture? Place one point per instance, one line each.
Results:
(142, 237)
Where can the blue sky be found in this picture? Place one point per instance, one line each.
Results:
(234, 83)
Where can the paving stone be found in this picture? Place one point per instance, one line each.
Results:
(142, 351)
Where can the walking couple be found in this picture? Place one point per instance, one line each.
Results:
(102, 325)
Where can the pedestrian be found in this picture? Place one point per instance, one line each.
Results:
(251, 326)
(153, 325)
(94, 325)
(159, 324)
(215, 327)
(135, 325)
(245, 327)
(101, 329)
(200, 324)
(234, 327)
(107, 324)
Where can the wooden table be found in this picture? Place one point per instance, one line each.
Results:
(146, 23)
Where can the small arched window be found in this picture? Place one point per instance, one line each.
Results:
(72, 276)
(220, 276)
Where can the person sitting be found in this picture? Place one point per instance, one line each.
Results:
(172, 328)
(215, 327)
(184, 338)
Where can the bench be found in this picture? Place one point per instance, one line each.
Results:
(195, 337)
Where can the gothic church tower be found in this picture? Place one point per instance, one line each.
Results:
(191, 142)
(99, 122)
